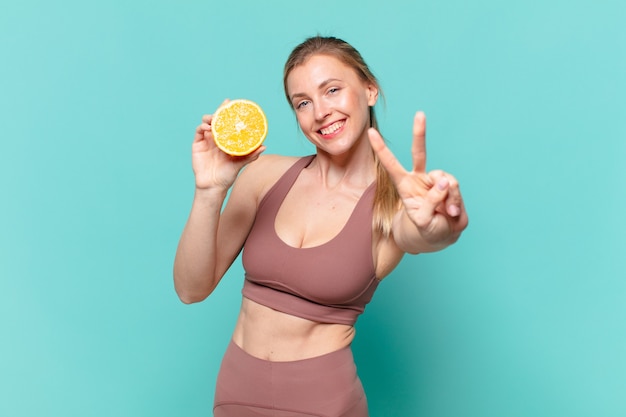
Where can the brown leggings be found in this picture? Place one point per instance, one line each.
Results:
(324, 386)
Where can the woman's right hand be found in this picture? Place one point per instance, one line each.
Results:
(213, 168)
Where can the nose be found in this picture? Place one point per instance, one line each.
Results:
(322, 110)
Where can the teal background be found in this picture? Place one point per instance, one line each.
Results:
(524, 316)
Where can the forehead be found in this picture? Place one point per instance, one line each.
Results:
(317, 69)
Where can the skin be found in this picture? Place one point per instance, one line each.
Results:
(331, 105)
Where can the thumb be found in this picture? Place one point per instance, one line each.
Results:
(432, 200)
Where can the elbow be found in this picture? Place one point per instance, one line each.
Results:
(189, 300)
(187, 297)
(188, 294)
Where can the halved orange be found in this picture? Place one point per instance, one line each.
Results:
(239, 127)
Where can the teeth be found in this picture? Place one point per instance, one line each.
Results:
(332, 128)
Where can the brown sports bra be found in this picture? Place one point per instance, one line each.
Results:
(329, 283)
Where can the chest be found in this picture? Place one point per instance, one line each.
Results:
(308, 217)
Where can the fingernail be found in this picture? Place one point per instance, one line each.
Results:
(454, 210)
(443, 183)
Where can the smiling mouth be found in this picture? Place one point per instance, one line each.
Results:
(332, 128)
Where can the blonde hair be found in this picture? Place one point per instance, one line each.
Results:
(386, 197)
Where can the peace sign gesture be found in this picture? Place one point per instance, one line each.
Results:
(432, 201)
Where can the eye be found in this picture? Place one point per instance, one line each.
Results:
(333, 90)
(302, 104)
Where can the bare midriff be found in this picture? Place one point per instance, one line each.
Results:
(275, 336)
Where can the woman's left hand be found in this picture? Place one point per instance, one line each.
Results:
(432, 200)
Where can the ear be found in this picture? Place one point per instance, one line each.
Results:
(372, 94)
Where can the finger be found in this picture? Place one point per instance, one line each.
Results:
(418, 150)
(241, 161)
(255, 155)
(386, 157)
(454, 201)
(199, 134)
(432, 200)
(201, 131)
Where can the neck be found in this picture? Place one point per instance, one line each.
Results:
(355, 168)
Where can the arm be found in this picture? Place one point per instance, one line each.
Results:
(432, 215)
(212, 239)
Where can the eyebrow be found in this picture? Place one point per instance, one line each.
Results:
(321, 86)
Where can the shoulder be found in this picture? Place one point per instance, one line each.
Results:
(268, 168)
(271, 164)
(259, 176)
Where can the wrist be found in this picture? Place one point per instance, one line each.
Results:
(210, 193)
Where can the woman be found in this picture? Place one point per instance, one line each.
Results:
(318, 234)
